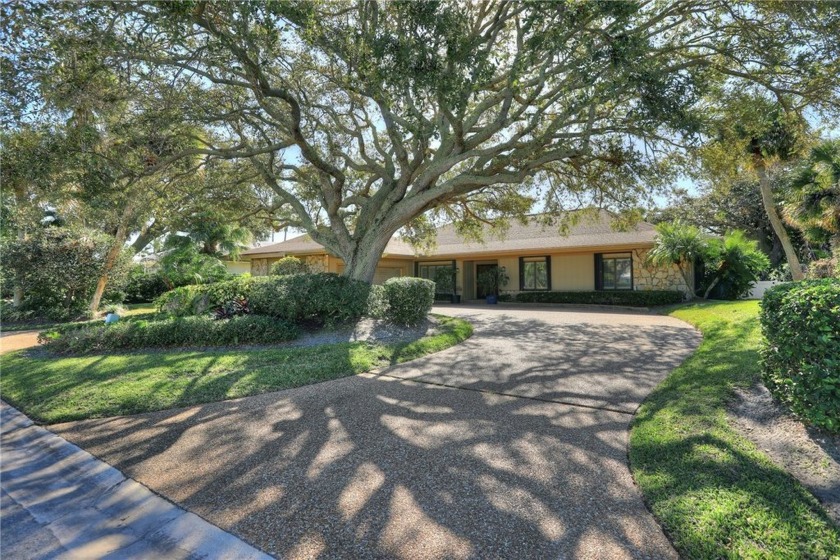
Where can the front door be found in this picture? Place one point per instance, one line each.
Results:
(480, 291)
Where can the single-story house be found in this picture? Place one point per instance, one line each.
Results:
(592, 255)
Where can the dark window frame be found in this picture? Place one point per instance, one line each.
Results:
(600, 268)
(439, 264)
(535, 259)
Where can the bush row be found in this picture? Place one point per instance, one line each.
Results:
(308, 299)
(172, 332)
(631, 298)
(801, 350)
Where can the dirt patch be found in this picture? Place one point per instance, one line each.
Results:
(812, 456)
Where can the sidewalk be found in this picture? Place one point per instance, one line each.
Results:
(59, 501)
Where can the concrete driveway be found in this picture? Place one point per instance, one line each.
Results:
(510, 445)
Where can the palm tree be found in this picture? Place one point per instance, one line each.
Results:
(680, 244)
(814, 203)
(736, 261)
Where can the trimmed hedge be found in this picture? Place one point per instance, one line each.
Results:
(409, 299)
(174, 332)
(631, 298)
(313, 299)
(377, 303)
(322, 298)
(801, 351)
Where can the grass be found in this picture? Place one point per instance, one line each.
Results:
(50, 389)
(714, 493)
(131, 310)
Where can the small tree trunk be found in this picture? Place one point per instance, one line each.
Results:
(775, 221)
(683, 268)
(17, 296)
(711, 287)
(111, 258)
(17, 291)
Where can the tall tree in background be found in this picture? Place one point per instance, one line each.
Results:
(726, 204)
(362, 116)
(760, 136)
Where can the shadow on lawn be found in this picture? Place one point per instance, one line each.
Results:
(695, 470)
(371, 467)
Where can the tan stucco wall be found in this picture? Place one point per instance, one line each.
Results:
(573, 273)
(569, 271)
(237, 267)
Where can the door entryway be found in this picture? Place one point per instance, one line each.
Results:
(480, 291)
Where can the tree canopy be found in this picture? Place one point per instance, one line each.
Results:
(362, 116)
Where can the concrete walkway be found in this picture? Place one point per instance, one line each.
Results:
(510, 445)
(58, 501)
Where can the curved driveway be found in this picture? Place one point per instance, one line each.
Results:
(510, 445)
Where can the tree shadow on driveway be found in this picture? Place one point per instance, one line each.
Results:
(381, 467)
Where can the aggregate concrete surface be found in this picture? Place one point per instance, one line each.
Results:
(512, 444)
(58, 501)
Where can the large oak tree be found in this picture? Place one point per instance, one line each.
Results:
(362, 116)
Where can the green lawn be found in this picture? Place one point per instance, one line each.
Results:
(714, 493)
(51, 390)
(131, 310)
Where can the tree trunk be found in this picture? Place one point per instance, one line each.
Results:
(111, 258)
(17, 290)
(147, 235)
(361, 263)
(773, 216)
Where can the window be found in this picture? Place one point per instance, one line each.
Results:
(443, 275)
(534, 273)
(616, 272)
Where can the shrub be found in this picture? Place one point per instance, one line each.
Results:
(732, 266)
(179, 301)
(319, 299)
(409, 299)
(144, 287)
(315, 299)
(631, 298)
(173, 332)
(801, 352)
(197, 299)
(377, 303)
(233, 308)
(289, 265)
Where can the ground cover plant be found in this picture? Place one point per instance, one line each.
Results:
(714, 493)
(50, 389)
(801, 352)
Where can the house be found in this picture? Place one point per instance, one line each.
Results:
(593, 255)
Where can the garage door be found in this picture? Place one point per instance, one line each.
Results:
(382, 273)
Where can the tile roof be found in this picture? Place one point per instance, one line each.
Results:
(589, 233)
